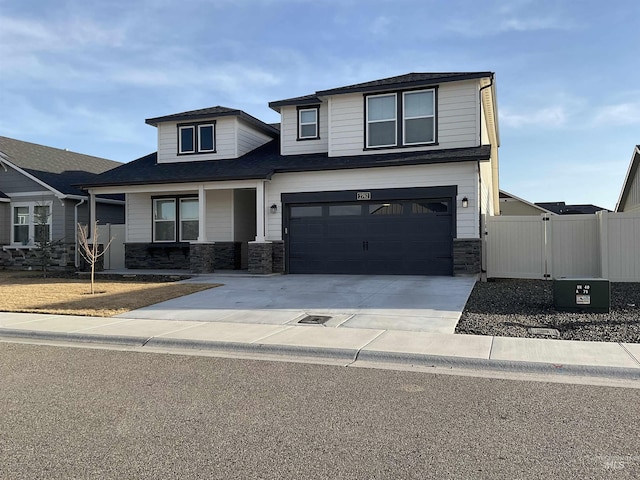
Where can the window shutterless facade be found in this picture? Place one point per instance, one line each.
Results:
(31, 223)
(175, 219)
(400, 119)
(196, 138)
(308, 123)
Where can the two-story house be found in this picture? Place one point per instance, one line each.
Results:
(391, 176)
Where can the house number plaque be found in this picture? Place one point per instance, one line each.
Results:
(363, 196)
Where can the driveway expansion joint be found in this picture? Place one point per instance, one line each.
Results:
(633, 357)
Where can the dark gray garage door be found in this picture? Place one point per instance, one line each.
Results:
(409, 237)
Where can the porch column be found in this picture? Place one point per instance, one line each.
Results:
(92, 214)
(202, 214)
(260, 212)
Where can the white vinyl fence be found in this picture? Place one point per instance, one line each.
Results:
(114, 256)
(603, 245)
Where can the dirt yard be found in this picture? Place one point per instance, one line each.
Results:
(29, 292)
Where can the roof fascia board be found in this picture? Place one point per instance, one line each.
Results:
(631, 172)
(291, 102)
(172, 187)
(200, 116)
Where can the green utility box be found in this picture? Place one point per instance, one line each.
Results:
(582, 295)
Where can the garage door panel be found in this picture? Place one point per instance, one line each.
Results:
(397, 237)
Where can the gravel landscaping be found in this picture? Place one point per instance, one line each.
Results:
(508, 308)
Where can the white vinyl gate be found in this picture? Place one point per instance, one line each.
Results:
(114, 256)
(553, 246)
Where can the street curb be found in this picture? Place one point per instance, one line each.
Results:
(426, 360)
(349, 355)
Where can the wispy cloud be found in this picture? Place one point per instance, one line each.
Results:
(619, 114)
(547, 117)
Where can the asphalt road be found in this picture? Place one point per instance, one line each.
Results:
(80, 413)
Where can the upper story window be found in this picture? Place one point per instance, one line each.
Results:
(308, 124)
(400, 119)
(31, 223)
(196, 138)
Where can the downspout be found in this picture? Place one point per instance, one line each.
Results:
(483, 256)
(75, 227)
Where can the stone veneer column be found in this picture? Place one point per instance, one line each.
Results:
(260, 257)
(202, 257)
(278, 256)
(467, 256)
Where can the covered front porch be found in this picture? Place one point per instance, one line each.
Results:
(201, 228)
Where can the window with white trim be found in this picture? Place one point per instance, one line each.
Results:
(196, 138)
(308, 125)
(417, 125)
(31, 222)
(175, 219)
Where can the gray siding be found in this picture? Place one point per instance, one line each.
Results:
(5, 223)
(12, 181)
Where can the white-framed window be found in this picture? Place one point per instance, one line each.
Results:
(31, 222)
(417, 125)
(175, 219)
(419, 117)
(189, 224)
(187, 139)
(164, 220)
(381, 120)
(206, 140)
(308, 125)
(196, 138)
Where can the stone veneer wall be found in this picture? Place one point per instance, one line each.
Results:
(467, 256)
(260, 257)
(62, 258)
(278, 256)
(149, 256)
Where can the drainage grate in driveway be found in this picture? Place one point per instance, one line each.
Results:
(314, 319)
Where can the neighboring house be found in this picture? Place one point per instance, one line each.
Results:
(40, 199)
(512, 205)
(391, 176)
(629, 200)
(561, 208)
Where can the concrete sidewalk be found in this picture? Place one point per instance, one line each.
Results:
(345, 345)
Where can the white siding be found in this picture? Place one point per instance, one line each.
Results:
(290, 145)
(487, 188)
(457, 121)
(219, 215)
(138, 217)
(633, 198)
(249, 138)
(226, 142)
(463, 175)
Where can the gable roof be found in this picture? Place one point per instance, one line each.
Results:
(57, 169)
(265, 161)
(407, 80)
(562, 208)
(628, 180)
(211, 112)
(507, 195)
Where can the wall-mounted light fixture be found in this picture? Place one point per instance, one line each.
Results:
(274, 208)
(465, 202)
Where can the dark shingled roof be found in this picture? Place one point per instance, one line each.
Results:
(563, 209)
(265, 161)
(408, 80)
(212, 112)
(60, 169)
(3, 195)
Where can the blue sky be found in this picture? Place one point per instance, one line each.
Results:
(85, 74)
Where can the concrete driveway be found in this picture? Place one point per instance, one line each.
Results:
(410, 303)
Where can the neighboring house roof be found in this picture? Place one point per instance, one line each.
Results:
(561, 208)
(210, 112)
(265, 161)
(57, 169)
(506, 195)
(632, 172)
(407, 80)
